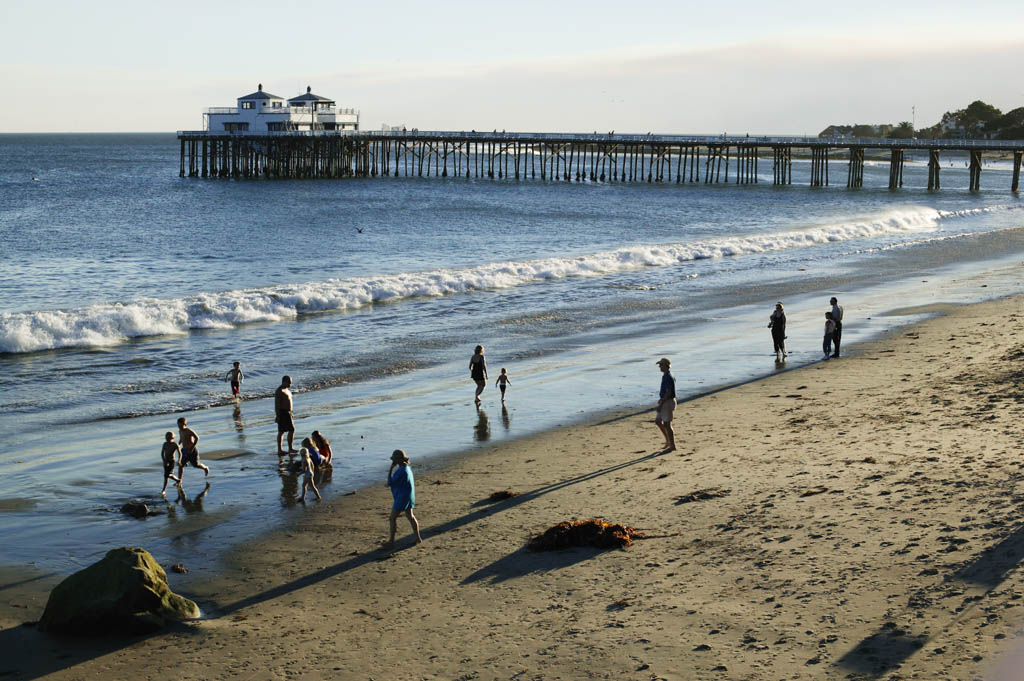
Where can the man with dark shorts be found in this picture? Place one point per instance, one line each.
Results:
(837, 317)
(666, 404)
(283, 412)
(189, 450)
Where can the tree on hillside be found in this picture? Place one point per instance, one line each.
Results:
(976, 117)
(1010, 125)
(904, 130)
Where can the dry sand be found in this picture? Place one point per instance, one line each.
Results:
(865, 523)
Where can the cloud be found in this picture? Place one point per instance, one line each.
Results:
(783, 85)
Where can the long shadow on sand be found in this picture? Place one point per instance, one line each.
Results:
(455, 523)
(30, 654)
(991, 566)
(890, 646)
(523, 562)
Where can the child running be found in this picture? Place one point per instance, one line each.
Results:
(171, 454)
(236, 377)
(307, 475)
(502, 383)
(189, 452)
(322, 444)
(830, 328)
(403, 490)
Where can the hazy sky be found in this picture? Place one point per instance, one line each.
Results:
(683, 67)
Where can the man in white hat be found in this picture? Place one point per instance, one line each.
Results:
(666, 404)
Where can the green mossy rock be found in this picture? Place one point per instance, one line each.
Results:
(125, 592)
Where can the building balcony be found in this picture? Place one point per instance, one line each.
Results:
(280, 111)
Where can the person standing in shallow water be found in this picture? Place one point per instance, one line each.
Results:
(283, 414)
(478, 371)
(837, 318)
(777, 323)
(666, 404)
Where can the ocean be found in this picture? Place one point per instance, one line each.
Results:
(128, 293)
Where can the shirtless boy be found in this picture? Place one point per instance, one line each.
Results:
(189, 452)
(170, 453)
(236, 377)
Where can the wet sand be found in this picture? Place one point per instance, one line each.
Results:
(857, 518)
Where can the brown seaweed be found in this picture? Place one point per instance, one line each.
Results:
(594, 532)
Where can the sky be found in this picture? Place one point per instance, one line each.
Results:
(630, 66)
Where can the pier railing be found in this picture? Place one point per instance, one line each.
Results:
(594, 157)
(633, 138)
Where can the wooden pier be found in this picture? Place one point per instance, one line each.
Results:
(561, 157)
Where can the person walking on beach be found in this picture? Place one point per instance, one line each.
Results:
(307, 475)
(236, 377)
(189, 449)
(478, 371)
(503, 383)
(777, 323)
(403, 491)
(830, 330)
(170, 453)
(837, 317)
(666, 404)
(283, 415)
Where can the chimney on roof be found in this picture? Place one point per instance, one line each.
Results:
(261, 87)
(308, 89)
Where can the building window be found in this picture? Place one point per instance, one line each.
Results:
(248, 105)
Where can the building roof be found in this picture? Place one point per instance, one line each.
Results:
(260, 94)
(309, 97)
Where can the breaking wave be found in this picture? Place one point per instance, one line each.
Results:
(112, 323)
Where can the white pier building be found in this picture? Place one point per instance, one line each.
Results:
(262, 112)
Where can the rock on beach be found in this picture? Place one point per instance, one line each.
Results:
(125, 592)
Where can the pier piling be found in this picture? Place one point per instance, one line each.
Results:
(561, 157)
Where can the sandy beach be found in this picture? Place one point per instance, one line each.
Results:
(856, 519)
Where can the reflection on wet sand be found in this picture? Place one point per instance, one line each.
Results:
(289, 480)
(291, 474)
(506, 420)
(482, 429)
(237, 416)
(191, 505)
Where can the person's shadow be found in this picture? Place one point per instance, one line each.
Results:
(506, 420)
(482, 429)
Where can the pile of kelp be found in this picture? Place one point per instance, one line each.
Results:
(594, 532)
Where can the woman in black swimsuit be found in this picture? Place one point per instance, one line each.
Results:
(478, 370)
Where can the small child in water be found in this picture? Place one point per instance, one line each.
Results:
(830, 328)
(502, 383)
(403, 490)
(315, 454)
(236, 377)
(307, 475)
(322, 444)
(170, 453)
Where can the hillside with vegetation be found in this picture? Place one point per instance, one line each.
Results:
(977, 120)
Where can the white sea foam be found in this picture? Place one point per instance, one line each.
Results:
(108, 324)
